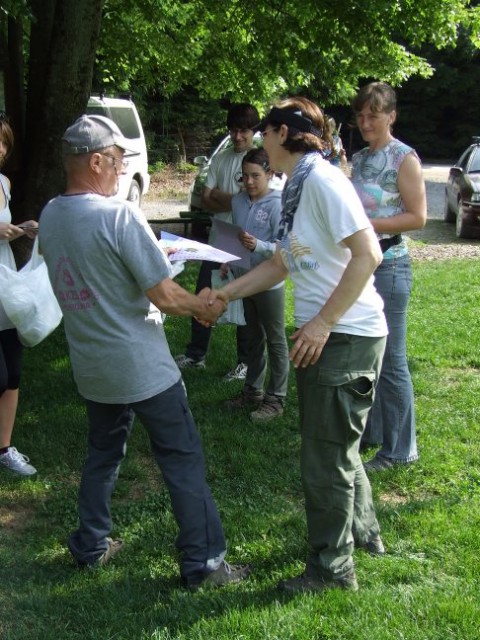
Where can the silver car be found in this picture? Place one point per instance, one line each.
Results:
(462, 193)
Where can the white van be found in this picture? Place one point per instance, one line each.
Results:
(136, 182)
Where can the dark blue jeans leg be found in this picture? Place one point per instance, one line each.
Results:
(109, 428)
(198, 345)
(178, 451)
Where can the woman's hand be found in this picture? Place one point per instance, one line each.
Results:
(309, 342)
(30, 228)
(248, 241)
(224, 269)
(11, 232)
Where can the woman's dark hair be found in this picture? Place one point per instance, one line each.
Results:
(242, 116)
(297, 140)
(6, 135)
(257, 156)
(379, 96)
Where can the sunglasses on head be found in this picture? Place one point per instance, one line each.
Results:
(4, 117)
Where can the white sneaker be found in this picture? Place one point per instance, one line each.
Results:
(185, 362)
(17, 462)
(239, 373)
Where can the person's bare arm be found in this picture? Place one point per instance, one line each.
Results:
(216, 201)
(411, 186)
(173, 300)
(266, 275)
(311, 338)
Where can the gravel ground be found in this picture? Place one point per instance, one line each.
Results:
(437, 241)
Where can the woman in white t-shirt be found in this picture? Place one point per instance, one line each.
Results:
(10, 347)
(330, 251)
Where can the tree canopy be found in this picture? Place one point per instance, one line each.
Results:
(53, 52)
(252, 50)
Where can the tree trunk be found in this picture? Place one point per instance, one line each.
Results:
(182, 150)
(62, 53)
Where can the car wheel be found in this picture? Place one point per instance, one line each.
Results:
(448, 214)
(135, 193)
(462, 229)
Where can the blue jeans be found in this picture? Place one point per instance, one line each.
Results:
(391, 422)
(178, 452)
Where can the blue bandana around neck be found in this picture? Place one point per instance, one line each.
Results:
(293, 190)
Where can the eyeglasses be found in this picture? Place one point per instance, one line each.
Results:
(123, 163)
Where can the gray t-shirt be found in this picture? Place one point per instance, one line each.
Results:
(101, 257)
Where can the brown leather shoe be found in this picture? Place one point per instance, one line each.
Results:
(374, 546)
(114, 547)
(225, 574)
(248, 397)
(316, 584)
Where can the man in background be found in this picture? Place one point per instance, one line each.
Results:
(223, 181)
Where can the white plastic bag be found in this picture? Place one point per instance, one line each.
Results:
(234, 313)
(28, 299)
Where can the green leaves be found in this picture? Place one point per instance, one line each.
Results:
(251, 50)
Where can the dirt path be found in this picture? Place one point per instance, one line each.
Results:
(437, 241)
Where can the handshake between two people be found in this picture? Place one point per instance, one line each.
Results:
(308, 341)
(215, 304)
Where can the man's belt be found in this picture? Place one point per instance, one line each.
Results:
(386, 243)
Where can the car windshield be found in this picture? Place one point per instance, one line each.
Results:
(475, 162)
(123, 117)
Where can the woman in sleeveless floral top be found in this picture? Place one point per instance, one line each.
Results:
(10, 347)
(387, 176)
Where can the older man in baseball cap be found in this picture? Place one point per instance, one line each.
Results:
(101, 137)
(106, 267)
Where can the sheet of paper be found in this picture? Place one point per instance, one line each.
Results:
(192, 250)
(226, 238)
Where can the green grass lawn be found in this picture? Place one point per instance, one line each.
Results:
(426, 587)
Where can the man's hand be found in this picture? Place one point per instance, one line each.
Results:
(309, 342)
(214, 307)
(217, 294)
